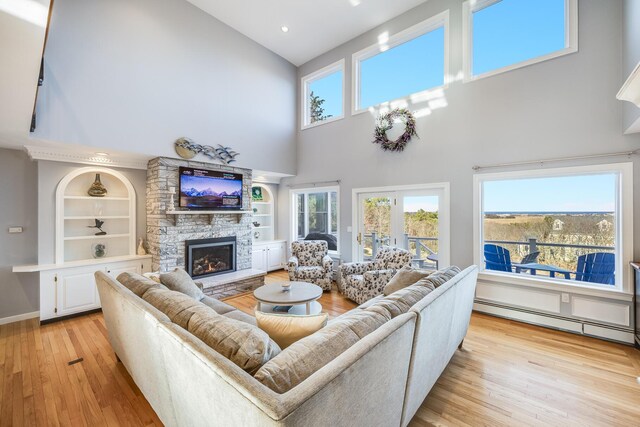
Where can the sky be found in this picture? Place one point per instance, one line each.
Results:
(415, 203)
(217, 184)
(586, 193)
(329, 88)
(512, 31)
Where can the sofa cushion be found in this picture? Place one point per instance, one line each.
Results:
(177, 306)
(285, 329)
(406, 276)
(180, 281)
(441, 277)
(243, 344)
(302, 358)
(137, 283)
(401, 301)
(217, 305)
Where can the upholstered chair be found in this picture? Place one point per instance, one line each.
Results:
(311, 263)
(361, 281)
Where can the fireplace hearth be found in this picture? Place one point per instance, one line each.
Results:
(208, 257)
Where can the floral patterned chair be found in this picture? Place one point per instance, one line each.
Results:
(361, 281)
(310, 263)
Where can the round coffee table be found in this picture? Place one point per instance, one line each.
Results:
(299, 299)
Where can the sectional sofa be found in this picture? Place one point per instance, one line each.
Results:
(395, 348)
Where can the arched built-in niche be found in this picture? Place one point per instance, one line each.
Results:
(76, 212)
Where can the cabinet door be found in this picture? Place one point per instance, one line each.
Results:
(276, 256)
(131, 267)
(76, 291)
(259, 258)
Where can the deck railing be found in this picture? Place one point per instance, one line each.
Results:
(418, 246)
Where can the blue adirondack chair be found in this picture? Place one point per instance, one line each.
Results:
(598, 267)
(497, 258)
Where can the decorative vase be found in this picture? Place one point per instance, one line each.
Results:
(97, 189)
(99, 250)
(141, 250)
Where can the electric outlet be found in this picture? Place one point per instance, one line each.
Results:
(565, 297)
(349, 229)
(13, 230)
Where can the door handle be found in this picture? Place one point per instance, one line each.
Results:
(360, 238)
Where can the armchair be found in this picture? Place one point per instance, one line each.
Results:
(310, 262)
(361, 281)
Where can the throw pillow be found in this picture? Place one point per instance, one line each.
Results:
(301, 359)
(180, 281)
(286, 329)
(406, 276)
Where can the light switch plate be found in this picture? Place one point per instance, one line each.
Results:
(15, 230)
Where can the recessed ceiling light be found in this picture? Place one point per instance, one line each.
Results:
(284, 29)
(101, 153)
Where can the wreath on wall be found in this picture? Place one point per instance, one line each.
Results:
(385, 123)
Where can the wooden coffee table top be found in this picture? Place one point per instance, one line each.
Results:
(299, 293)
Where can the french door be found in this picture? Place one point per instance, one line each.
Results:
(414, 218)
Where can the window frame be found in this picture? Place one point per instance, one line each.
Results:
(305, 82)
(471, 6)
(293, 196)
(623, 218)
(408, 34)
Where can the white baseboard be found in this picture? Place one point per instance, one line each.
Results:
(19, 317)
(554, 322)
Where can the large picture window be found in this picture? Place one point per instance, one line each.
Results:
(410, 62)
(316, 211)
(565, 225)
(501, 35)
(323, 95)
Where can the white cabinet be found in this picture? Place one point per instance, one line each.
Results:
(269, 256)
(71, 290)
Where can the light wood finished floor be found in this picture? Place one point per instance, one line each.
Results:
(507, 374)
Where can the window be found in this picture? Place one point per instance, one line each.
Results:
(323, 95)
(502, 35)
(412, 61)
(316, 211)
(569, 226)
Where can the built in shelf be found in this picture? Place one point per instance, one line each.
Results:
(96, 216)
(104, 236)
(95, 198)
(82, 263)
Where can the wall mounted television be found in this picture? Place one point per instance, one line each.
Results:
(206, 189)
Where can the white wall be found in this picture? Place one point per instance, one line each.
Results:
(19, 207)
(562, 107)
(630, 53)
(134, 75)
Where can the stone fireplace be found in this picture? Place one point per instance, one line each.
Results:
(209, 257)
(168, 234)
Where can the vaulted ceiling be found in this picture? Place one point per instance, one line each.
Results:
(315, 26)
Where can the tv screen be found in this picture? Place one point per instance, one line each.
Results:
(205, 189)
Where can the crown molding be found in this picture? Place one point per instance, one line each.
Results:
(64, 155)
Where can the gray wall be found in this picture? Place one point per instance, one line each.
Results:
(134, 75)
(49, 175)
(19, 293)
(557, 108)
(630, 53)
